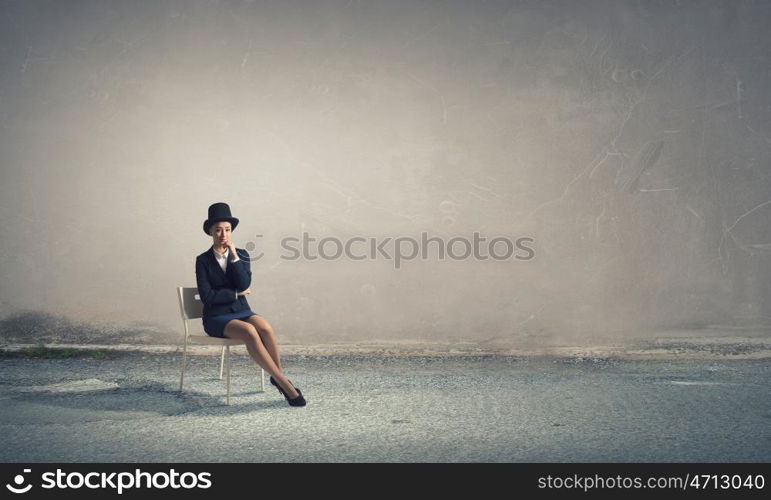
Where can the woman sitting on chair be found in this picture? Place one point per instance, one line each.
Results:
(223, 276)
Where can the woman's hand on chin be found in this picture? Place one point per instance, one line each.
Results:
(232, 247)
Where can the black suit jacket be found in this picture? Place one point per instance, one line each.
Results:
(217, 288)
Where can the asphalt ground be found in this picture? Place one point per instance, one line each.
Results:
(126, 407)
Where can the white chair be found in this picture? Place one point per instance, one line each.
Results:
(191, 307)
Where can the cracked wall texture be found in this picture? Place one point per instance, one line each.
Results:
(629, 139)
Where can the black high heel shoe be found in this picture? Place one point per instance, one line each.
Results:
(298, 401)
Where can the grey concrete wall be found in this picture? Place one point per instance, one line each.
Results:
(629, 140)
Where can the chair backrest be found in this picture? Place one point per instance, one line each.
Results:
(190, 305)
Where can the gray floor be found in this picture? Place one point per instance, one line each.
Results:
(388, 409)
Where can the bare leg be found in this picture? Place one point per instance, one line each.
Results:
(238, 329)
(268, 337)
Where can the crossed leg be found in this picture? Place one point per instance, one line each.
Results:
(267, 336)
(246, 331)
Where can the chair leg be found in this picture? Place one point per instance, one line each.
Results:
(222, 361)
(227, 399)
(184, 363)
(262, 379)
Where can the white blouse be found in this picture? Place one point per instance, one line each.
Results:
(223, 261)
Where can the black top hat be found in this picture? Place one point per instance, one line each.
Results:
(219, 212)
